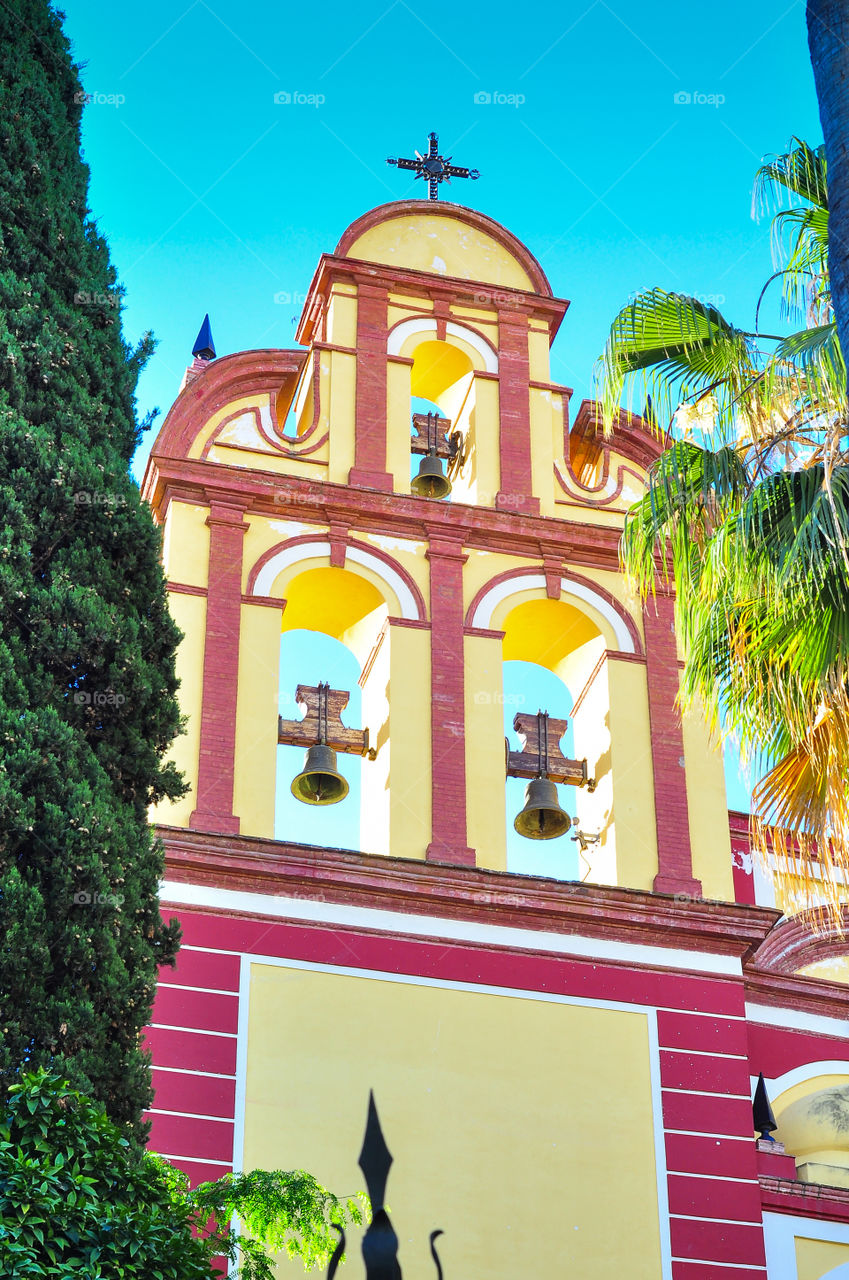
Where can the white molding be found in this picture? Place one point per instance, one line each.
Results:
(798, 1020)
(547, 997)
(287, 556)
(427, 327)
(194, 1031)
(780, 1232)
(482, 616)
(808, 1071)
(177, 893)
(484, 350)
(399, 335)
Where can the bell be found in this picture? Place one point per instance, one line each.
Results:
(542, 817)
(320, 782)
(431, 482)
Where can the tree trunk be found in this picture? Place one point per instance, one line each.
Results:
(828, 41)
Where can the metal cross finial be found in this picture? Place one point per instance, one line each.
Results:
(434, 167)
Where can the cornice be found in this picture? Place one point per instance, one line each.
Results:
(396, 515)
(248, 864)
(794, 991)
(808, 1199)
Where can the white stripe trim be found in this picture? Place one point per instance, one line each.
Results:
(174, 893)
(732, 1222)
(714, 1177)
(797, 1020)
(320, 549)
(706, 1093)
(189, 1115)
(195, 1031)
(705, 1053)
(224, 1164)
(213, 951)
(711, 1262)
(187, 1071)
(210, 991)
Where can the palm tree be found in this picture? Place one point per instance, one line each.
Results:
(748, 510)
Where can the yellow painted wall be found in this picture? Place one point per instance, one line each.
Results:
(485, 761)
(255, 773)
(815, 1258)
(707, 805)
(185, 544)
(189, 612)
(442, 245)
(835, 969)
(498, 1111)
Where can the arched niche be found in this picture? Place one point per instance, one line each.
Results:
(813, 1121)
(375, 610)
(559, 637)
(446, 369)
(592, 646)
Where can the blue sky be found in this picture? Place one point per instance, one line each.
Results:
(618, 141)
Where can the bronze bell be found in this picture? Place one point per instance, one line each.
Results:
(542, 817)
(320, 782)
(431, 482)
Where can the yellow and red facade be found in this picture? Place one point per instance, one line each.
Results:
(564, 1069)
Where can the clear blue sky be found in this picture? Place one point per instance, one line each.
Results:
(216, 198)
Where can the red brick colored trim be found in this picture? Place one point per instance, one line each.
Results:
(338, 538)
(253, 864)
(448, 713)
(214, 801)
(515, 487)
(485, 633)
(322, 535)
(807, 995)
(272, 602)
(804, 940)
(403, 209)
(184, 588)
(674, 855)
(369, 469)
(808, 1199)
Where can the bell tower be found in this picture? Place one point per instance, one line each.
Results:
(408, 489)
(308, 488)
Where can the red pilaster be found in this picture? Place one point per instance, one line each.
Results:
(369, 469)
(448, 734)
(214, 806)
(674, 856)
(514, 399)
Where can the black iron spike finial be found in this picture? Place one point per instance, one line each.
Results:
(380, 1243)
(336, 1256)
(204, 347)
(375, 1157)
(433, 167)
(434, 1235)
(764, 1120)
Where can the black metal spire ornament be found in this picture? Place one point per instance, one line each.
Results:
(434, 167)
(380, 1243)
(762, 1112)
(204, 347)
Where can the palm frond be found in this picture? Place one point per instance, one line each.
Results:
(674, 348)
(800, 172)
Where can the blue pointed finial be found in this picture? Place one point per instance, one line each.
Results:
(204, 347)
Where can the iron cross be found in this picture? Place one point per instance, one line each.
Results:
(434, 167)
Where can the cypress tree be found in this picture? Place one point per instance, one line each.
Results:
(87, 684)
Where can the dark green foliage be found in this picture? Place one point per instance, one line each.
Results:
(87, 684)
(77, 1199)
